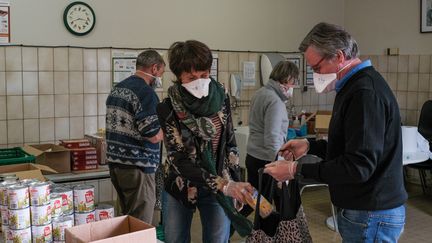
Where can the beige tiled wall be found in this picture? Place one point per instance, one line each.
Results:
(47, 94)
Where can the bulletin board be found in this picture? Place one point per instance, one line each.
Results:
(123, 67)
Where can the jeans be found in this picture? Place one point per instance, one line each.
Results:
(177, 219)
(371, 226)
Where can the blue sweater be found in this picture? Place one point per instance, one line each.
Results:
(130, 120)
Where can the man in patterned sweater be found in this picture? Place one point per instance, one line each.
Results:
(133, 134)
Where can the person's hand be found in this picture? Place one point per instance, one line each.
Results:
(294, 149)
(281, 170)
(241, 191)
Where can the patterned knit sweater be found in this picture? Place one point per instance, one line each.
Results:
(130, 120)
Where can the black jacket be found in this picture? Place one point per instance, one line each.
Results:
(363, 165)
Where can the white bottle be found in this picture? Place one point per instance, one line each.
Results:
(303, 118)
(296, 122)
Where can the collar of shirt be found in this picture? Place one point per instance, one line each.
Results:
(340, 83)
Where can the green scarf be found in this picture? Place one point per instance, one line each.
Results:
(206, 106)
(194, 113)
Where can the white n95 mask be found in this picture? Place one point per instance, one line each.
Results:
(198, 88)
(288, 92)
(157, 82)
(324, 82)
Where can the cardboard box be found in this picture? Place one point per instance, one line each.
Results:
(27, 171)
(75, 143)
(84, 167)
(54, 156)
(83, 152)
(115, 230)
(322, 121)
(99, 142)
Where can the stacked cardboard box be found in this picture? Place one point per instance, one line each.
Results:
(98, 141)
(83, 156)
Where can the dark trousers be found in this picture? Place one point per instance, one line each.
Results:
(252, 166)
(136, 191)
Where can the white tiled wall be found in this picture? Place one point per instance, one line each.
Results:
(47, 94)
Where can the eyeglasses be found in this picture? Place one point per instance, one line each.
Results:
(316, 68)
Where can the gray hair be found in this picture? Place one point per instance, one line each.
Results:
(328, 39)
(148, 58)
(284, 71)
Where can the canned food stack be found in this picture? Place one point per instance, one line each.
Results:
(104, 211)
(18, 227)
(84, 204)
(62, 213)
(41, 209)
(83, 156)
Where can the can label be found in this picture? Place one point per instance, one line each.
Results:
(84, 199)
(40, 215)
(104, 212)
(18, 197)
(67, 199)
(4, 211)
(39, 194)
(19, 218)
(5, 232)
(56, 206)
(84, 218)
(42, 233)
(3, 191)
(22, 235)
(59, 227)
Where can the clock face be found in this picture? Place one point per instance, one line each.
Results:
(79, 18)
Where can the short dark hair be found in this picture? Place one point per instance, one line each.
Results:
(328, 39)
(189, 55)
(284, 71)
(148, 58)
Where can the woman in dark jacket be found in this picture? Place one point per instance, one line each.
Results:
(202, 161)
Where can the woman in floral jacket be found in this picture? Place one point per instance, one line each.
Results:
(202, 162)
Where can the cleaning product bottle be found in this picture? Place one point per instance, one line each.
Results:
(265, 206)
(296, 122)
(303, 118)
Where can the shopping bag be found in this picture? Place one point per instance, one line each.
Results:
(290, 222)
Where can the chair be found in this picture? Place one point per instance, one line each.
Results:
(425, 129)
(309, 183)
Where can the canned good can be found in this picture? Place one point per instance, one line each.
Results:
(40, 215)
(59, 226)
(19, 218)
(67, 199)
(39, 193)
(18, 196)
(42, 233)
(28, 182)
(104, 211)
(56, 208)
(84, 218)
(4, 211)
(5, 232)
(8, 177)
(21, 235)
(84, 198)
(3, 191)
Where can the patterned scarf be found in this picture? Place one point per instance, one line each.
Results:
(194, 112)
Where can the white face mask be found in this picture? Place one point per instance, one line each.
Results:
(288, 92)
(326, 82)
(198, 88)
(157, 82)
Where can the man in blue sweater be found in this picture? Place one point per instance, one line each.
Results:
(363, 156)
(133, 134)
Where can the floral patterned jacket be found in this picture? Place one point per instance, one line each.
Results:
(183, 173)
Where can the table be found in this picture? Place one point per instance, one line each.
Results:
(101, 173)
(412, 158)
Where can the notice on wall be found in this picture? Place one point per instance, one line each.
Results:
(249, 74)
(214, 67)
(4, 22)
(124, 65)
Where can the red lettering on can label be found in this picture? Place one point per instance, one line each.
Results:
(103, 215)
(64, 199)
(89, 196)
(90, 218)
(47, 231)
(57, 204)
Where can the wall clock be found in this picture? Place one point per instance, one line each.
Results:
(79, 18)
